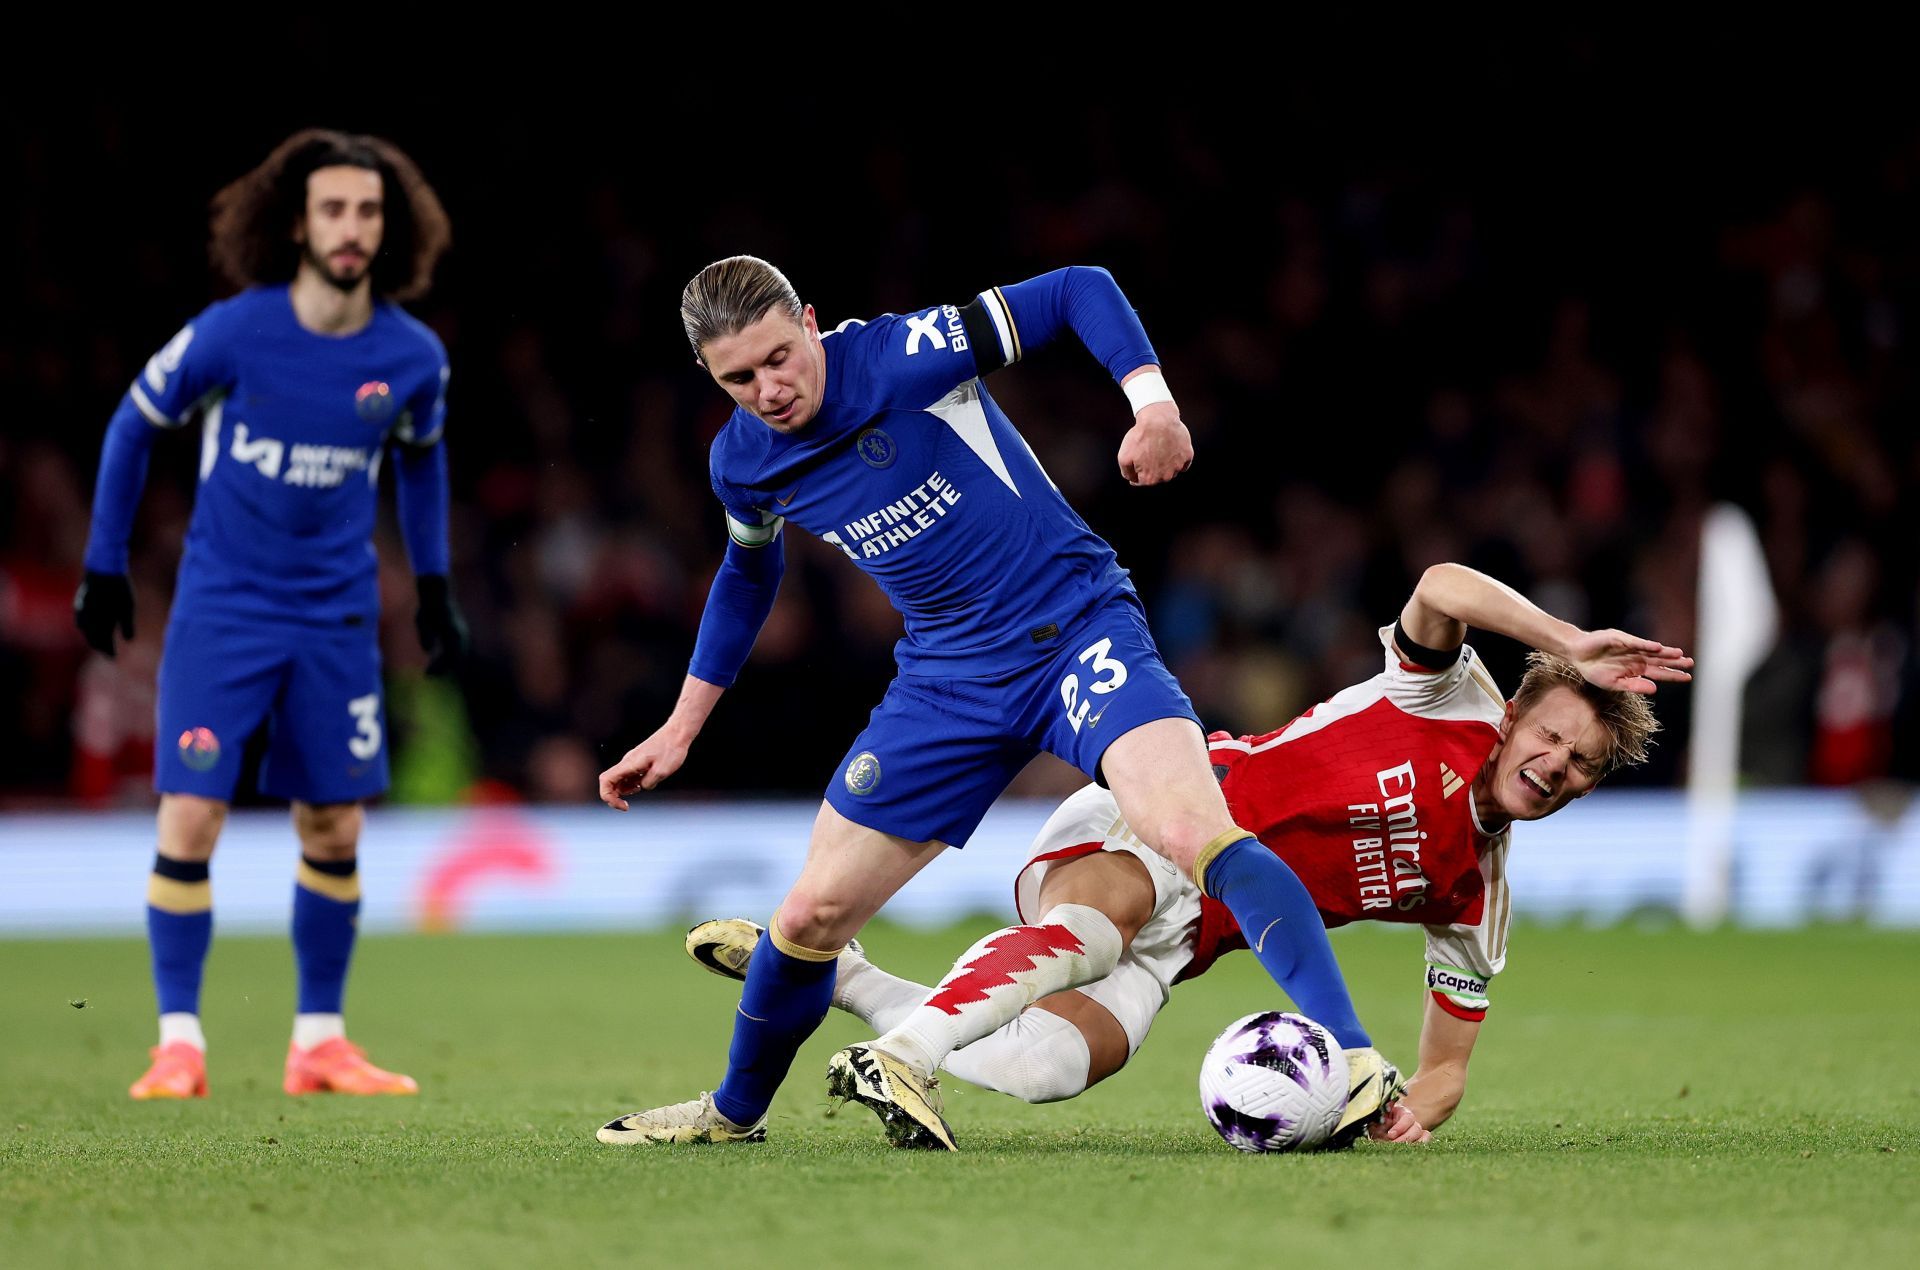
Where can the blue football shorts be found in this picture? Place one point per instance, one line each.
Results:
(938, 751)
(316, 690)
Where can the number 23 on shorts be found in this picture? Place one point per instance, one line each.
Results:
(1108, 673)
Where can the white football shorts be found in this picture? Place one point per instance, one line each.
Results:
(1090, 821)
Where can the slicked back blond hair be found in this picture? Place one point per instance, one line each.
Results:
(732, 294)
(1627, 716)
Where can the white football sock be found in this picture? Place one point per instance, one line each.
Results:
(1002, 975)
(182, 1027)
(1039, 1057)
(310, 1030)
(876, 998)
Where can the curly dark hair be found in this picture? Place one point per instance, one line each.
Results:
(253, 218)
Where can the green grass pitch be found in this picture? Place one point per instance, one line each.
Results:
(1641, 1098)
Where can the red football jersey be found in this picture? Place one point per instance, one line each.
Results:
(1368, 798)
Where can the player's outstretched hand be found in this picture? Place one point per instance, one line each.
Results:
(643, 767)
(1157, 448)
(1399, 1125)
(103, 604)
(1615, 659)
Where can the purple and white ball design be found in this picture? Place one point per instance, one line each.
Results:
(1274, 1082)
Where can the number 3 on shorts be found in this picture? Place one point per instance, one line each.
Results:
(1110, 675)
(366, 711)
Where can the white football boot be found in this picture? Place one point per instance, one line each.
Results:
(725, 946)
(907, 1104)
(1372, 1083)
(695, 1121)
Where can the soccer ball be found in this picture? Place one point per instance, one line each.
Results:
(1274, 1082)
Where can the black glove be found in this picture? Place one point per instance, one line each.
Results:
(443, 632)
(103, 602)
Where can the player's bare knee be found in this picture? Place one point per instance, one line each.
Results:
(189, 826)
(1181, 836)
(1115, 882)
(822, 923)
(329, 831)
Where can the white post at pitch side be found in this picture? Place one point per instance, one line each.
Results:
(1738, 621)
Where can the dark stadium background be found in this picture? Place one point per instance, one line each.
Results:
(1530, 306)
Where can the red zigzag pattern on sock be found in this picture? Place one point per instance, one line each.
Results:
(1012, 951)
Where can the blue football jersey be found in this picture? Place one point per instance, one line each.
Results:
(911, 469)
(293, 425)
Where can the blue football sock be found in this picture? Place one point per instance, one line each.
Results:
(326, 916)
(783, 1002)
(179, 930)
(1284, 930)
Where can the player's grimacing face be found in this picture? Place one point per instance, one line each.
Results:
(1554, 752)
(342, 226)
(774, 369)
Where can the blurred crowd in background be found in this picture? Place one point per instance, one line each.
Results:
(1544, 352)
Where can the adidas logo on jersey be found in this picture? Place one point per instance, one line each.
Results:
(1450, 782)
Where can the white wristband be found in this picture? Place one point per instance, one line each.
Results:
(1146, 389)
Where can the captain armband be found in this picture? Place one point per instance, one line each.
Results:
(751, 534)
(991, 331)
(1420, 654)
(1458, 992)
